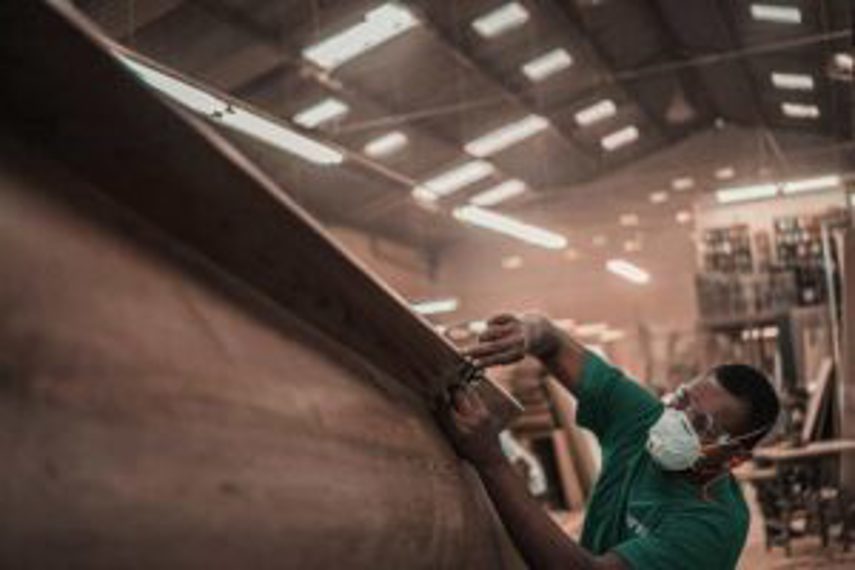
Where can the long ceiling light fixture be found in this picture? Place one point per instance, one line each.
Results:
(453, 180)
(770, 190)
(506, 136)
(233, 116)
(377, 27)
(628, 271)
(511, 227)
(776, 13)
(502, 19)
(620, 138)
(547, 65)
(321, 112)
(599, 111)
(683, 183)
(811, 184)
(436, 306)
(800, 110)
(792, 81)
(386, 145)
(498, 194)
(746, 193)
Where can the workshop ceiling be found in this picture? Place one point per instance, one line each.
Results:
(599, 84)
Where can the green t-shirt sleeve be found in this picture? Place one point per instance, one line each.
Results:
(690, 541)
(610, 404)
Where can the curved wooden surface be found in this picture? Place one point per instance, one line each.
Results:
(191, 374)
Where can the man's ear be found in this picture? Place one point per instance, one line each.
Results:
(738, 459)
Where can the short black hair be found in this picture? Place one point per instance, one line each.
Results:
(752, 387)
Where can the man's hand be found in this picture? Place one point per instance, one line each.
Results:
(509, 338)
(472, 430)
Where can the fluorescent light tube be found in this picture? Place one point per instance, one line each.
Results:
(844, 61)
(318, 114)
(683, 217)
(425, 196)
(776, 13)
(612, 335)
(629, 220)
(386, 145)
(502, 19)
(684, 183)
(506, 136)
(436, 306)
(792, 81)
(599, 111)
(811, 184)
(456, 178)
(744, 193)
(620, 138)
(547, 64)
(512, 262)
(725, 173)
(233, 116)
(800, 110)
(628, 271)
(280, 137)
(377, 27)
(590, 329)
(509, 226)
(497, 194)
(192, 97)
(658, 197)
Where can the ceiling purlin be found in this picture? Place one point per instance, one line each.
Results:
(575, 21)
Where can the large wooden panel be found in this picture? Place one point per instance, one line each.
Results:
(155, 413)
(192, 375)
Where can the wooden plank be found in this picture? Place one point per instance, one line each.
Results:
(815, 449)
(820, 397)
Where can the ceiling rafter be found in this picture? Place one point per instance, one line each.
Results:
(575, 21)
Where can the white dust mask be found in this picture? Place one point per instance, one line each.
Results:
(673, 442)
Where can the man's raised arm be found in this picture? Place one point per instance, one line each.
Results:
(509, 338)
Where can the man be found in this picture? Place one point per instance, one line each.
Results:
(665, 497)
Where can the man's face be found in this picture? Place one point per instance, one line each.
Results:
(714, 412)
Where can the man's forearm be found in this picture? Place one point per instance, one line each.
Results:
(562, 356)
(538, 538)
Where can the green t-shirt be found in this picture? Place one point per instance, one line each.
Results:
(650, 517)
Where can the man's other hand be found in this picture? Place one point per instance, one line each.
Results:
(508, 338)
(503, 342)
(471, 428)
